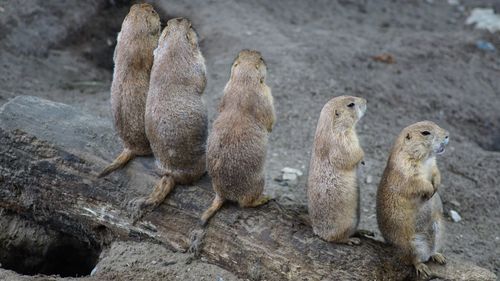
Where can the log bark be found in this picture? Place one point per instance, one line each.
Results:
(50, 154)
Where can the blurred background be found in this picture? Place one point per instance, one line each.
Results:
(412, 60)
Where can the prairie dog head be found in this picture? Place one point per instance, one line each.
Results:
(178, 50)
(142, 19)
(346, 111)
(179, 30)
(423, 139)
(247, 91)
(249, 66)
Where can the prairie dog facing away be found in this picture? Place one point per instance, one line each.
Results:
(332, 189)
(409, 211)
(237, 145)
(133, 58)
(176, 117)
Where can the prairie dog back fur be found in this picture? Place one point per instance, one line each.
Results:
(237, 146)
(133, 58)
(176, 117)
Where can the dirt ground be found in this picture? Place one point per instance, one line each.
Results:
(314, 52)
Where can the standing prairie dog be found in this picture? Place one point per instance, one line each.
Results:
(332, 189)
(133, 60)
(176, 117)
(409, 211)
(237, 146)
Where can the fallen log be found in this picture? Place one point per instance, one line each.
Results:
(51, 154)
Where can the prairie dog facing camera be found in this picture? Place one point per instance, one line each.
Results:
(237, 145)
(409, 211)
(176, 117)
(133, 58)
(332, 189)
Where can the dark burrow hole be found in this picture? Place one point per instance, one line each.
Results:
(96, 40)
(28, 248)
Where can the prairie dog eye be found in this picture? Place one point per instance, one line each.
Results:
(425, 133)
(351, 104)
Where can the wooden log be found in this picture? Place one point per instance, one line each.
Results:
(51, 154)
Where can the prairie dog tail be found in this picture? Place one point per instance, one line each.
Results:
(162, 189)
(118, 163)
(216, 205)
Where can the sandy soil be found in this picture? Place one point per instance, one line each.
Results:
(314, 52)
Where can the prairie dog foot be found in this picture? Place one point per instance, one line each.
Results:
(364, 233)
(351, 241)
(439, 258)
(423, 270)
(260, 201)
(138, 207)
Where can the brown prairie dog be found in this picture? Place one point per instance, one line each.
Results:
(176, 117)
(237, 145)
(333, 193)
(409, 211)
(133, 60)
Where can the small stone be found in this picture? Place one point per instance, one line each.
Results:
(455, 203)
(219, 278)
(288, 170)
(289, 177)
(455, 216)
(369, 179)
(485, 46)
(453, 2)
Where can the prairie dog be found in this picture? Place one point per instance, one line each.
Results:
(237, 146)
(409, 211)
(332, 189)
(133, 58)
(176, 117)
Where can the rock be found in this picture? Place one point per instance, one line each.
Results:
(369, 179)
(290, 179)
(455, 216)
(455, 203)
(289, 176)
(485, 46)
(288, 170)
(484, 19)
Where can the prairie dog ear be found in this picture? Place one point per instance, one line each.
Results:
(192, 38)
